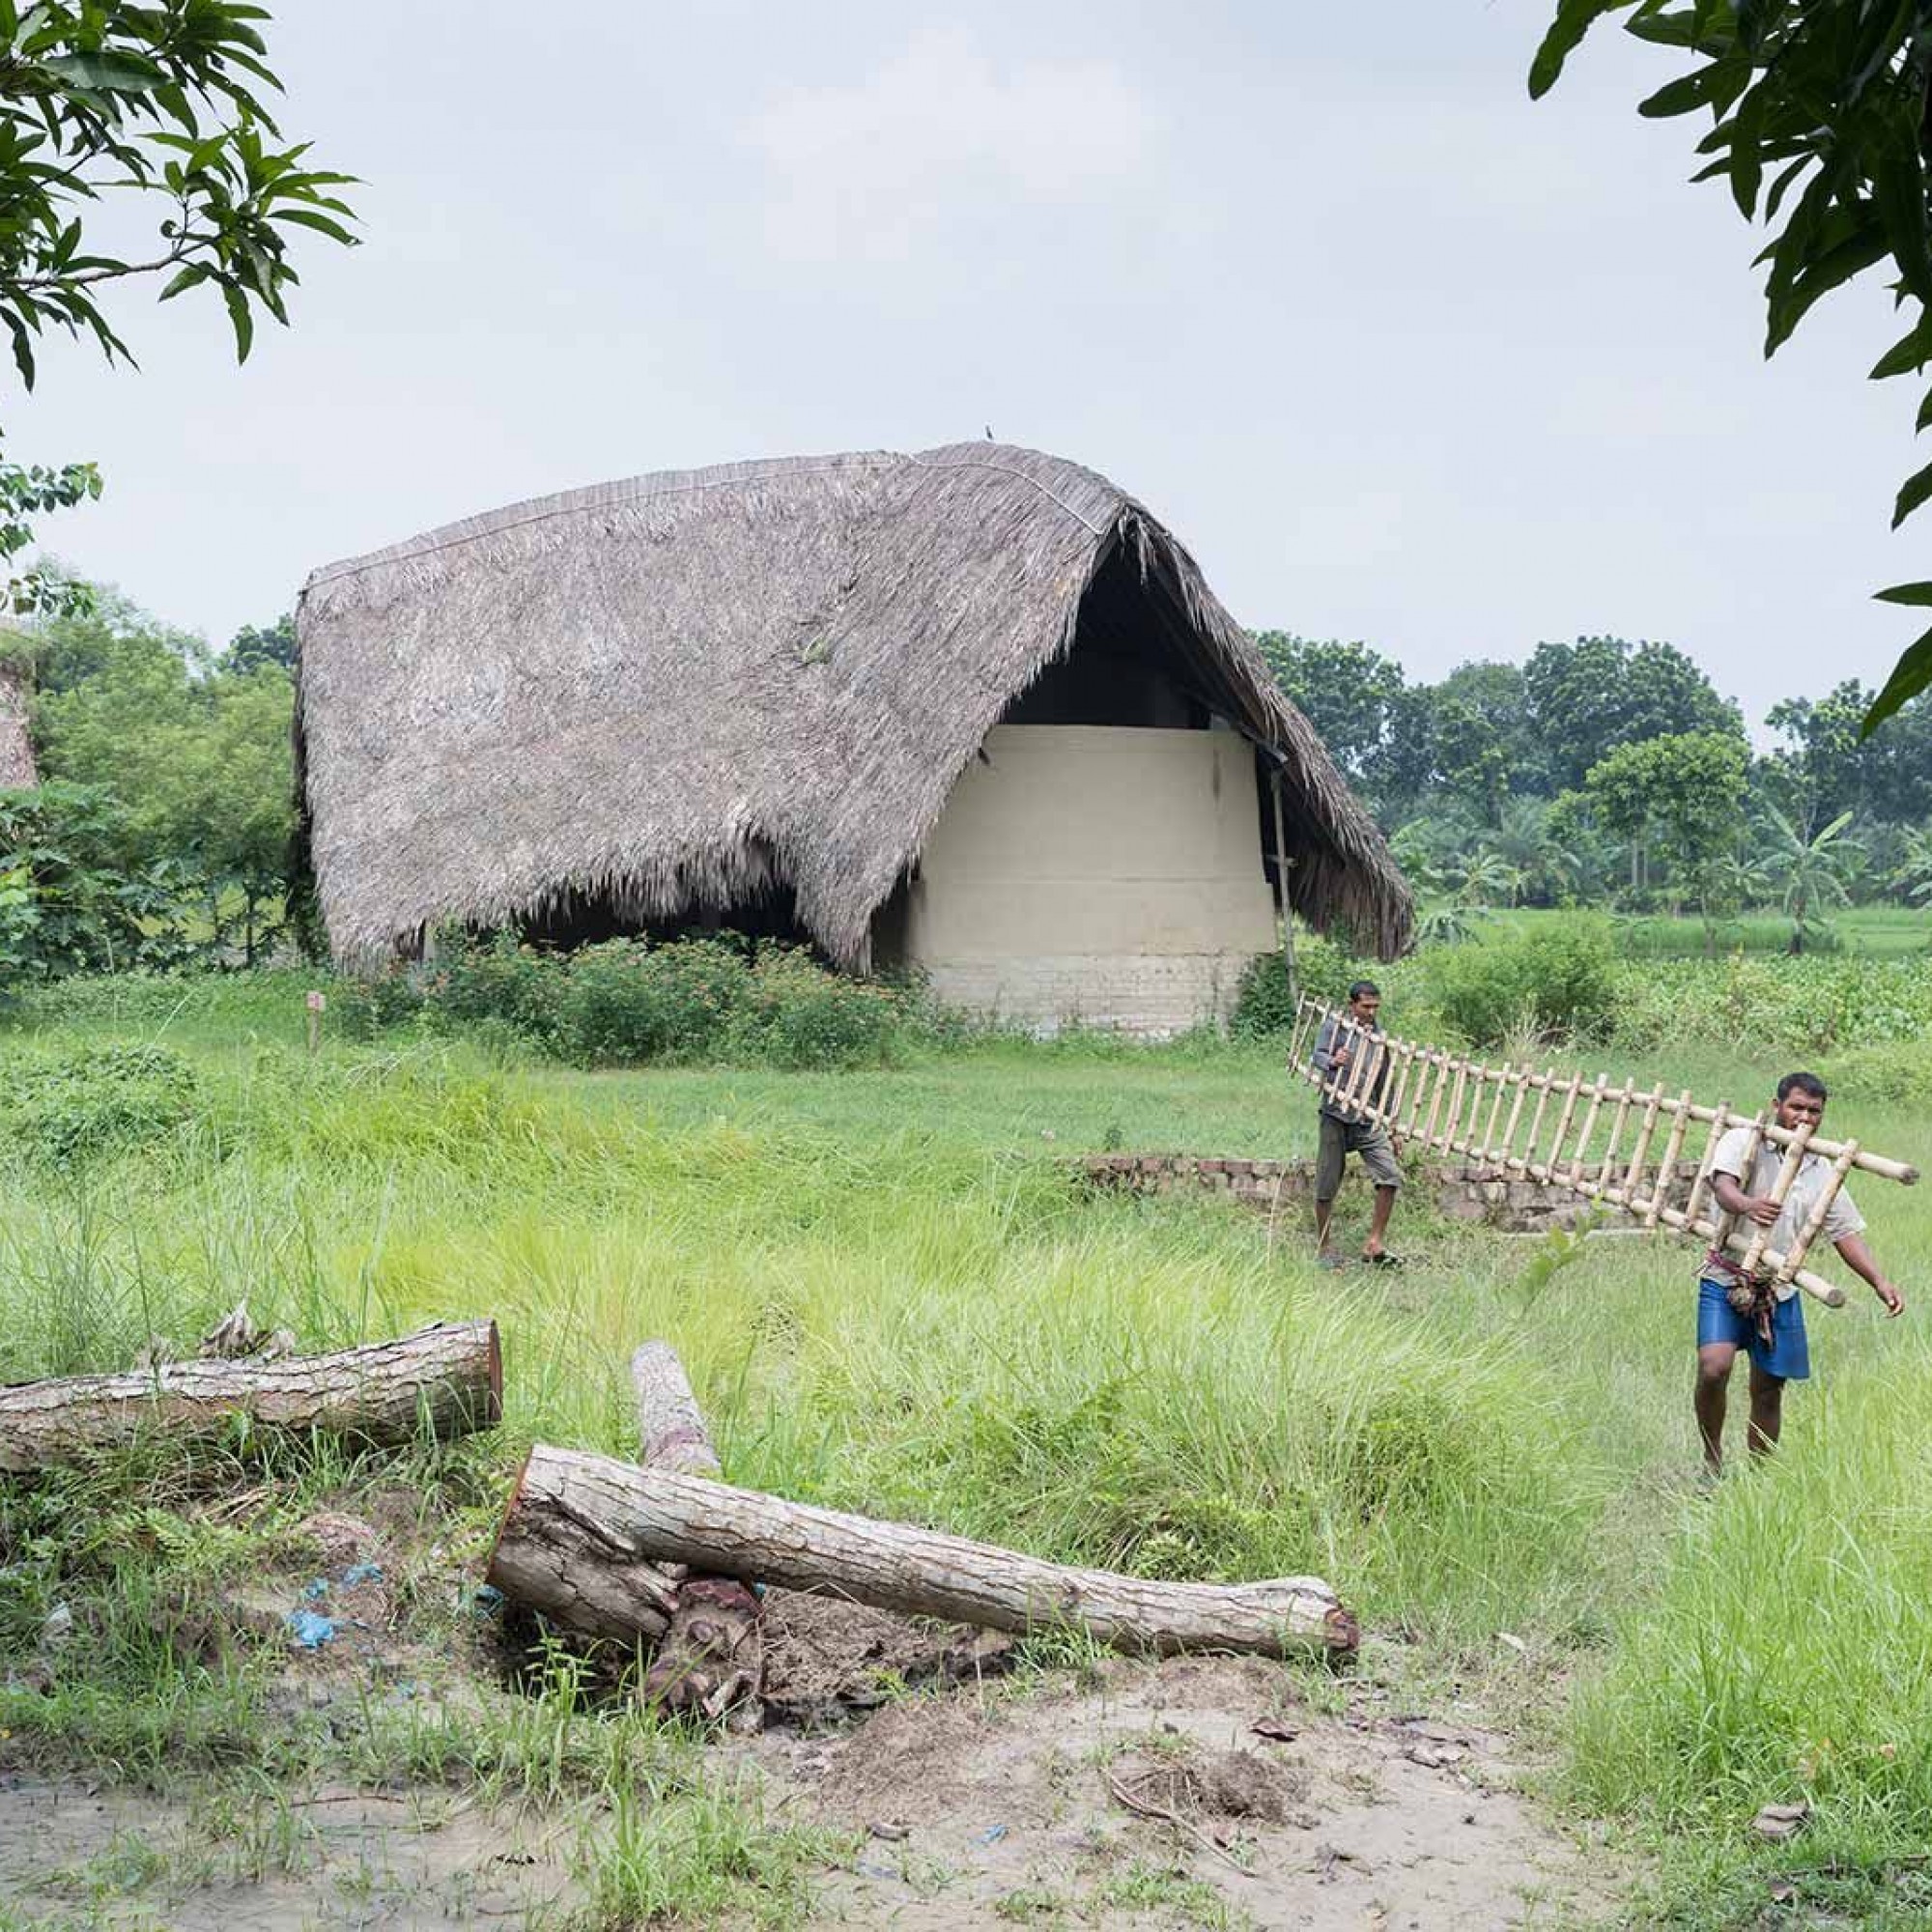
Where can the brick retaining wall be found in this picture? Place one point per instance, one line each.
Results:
(1463, 1190)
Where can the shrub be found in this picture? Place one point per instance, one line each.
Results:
(624, 1002)
(796, 1015)
(100, 1100)
(497, 980)
(364, 1008)
(1558, 979)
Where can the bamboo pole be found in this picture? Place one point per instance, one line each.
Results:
(1780, 1192)
(1821, 1209)
(1544, 1089)
(1484, 1152)
(1700, 1181)
(1590, 1114)
(1626, 1195)
(1900, 1171)
(1464, 1123)
(1728, 1225)
(1608, 1165)
(1515, 1115)
(1547, 1170)
(1673, 1150)
(1431, 1068)
(1440, 1093)
(1406, 1055)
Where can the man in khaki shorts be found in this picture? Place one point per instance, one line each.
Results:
(1346, 1130)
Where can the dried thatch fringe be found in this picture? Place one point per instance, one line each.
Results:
(680, 688)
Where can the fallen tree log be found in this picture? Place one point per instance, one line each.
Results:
(712, 1658)
(445, 1379)
(584, 1524)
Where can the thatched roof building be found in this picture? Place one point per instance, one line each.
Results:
(677, 693)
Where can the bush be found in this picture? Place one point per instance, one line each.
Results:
(798, 1015)
(1325, 969)
(100, 1100)
(1558, 979)
(625, 1003)
(498, 979)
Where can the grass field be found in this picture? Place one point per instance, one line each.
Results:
(891, 1299)
(1867, 931)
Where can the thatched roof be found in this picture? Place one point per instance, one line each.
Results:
(679, 689)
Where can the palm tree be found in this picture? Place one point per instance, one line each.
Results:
(1813, 869)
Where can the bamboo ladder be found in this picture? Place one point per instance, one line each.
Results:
(1436, 1100)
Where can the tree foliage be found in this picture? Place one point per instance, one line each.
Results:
(157, 108)
(1821, 126)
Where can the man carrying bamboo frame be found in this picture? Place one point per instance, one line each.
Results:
(1353, 1078)
(1739, 1309)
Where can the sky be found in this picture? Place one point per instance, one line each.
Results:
(1400, 355)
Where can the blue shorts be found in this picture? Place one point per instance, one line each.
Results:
(1788, 1355)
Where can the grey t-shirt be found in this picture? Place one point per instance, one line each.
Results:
(1841, 1218)
(1333, 1034)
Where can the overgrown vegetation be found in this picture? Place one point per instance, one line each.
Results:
(891, 1301)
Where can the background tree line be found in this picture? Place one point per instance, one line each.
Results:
(163, 826)
(1609, 773)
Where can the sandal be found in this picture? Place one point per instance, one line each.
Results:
(1383, 1261)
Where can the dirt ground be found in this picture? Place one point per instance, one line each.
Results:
(1195, 1792)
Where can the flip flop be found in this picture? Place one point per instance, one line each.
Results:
(1383, 1261)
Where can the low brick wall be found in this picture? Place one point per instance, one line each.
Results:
(1463, 1190)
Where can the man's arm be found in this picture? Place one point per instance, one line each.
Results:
(1862, 1263)
(1733, 1200)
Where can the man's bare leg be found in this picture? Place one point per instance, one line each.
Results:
(1766, 1410)
(1323, 1210)
(1379, 1221)
(1713, 1375)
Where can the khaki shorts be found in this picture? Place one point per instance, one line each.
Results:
(1362, 1138)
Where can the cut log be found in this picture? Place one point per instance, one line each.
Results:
(583, 1523)
(711, 1658)
(446, 1380)
(671, 1426)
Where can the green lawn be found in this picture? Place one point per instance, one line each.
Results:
(892, 1300)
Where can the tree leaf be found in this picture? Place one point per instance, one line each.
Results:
(1909, 676)
(1574, 19)
(1913, 493)
(1905, 593)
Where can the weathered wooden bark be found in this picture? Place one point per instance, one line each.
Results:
(599, 1520)
(712, 1656)
(445, 1379)
(16, 746)
(671, 1426)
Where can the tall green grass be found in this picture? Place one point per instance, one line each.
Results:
(892, 1300)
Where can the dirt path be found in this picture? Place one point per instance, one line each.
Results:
(981, 1807)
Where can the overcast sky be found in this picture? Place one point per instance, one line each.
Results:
(1399, 356)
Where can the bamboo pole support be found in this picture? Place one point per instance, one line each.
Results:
(1626, 1196)
(1484, 1152)
(1821, 1209)
(1546, 1169)
(1700, 1181)
(1608, 1165)
(1673, 1150)
(1429, 1085)
(1544, 1089)
(1780, 1192)
(1727, 1226)
(1515, 1115)
(1590, 1114)
(1437, 1094)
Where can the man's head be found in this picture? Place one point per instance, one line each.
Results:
(1801, 1102)
(1365, 1001)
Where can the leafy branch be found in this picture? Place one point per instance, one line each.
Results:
(1821, 115)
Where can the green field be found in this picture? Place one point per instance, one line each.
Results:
(892, 1300)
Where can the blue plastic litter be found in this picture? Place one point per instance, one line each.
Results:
(991, 1836)
(317, 1590)
(309, 1630)
(360, 1573)
(487, 1601)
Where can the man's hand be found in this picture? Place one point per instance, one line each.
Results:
(1894, 1302)
(1761, 1208)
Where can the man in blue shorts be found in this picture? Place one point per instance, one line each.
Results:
(1771, 1325)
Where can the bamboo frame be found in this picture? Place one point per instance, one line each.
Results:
(1426, 1077)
